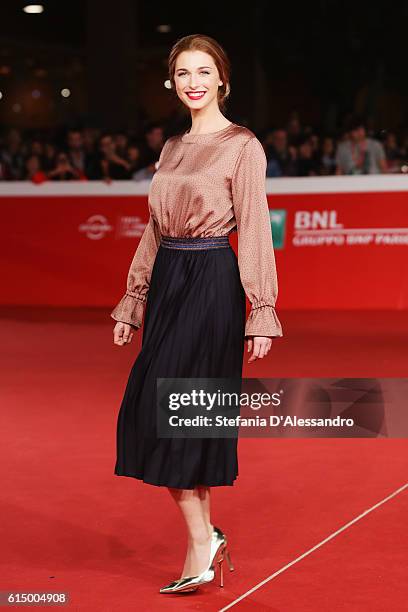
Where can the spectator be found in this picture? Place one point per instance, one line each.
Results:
(360, 154)
(306, 163)
(133, 157)
(393, 153)
(121, 143)
(327, 158)
(294, 130)
(152, 145)
(108, 165)
(314, 141)
(5, 173)
(33, 170)
(12, 156)
(64, 170)
(79, 158)
(89, 138)
(37, 147)
(50, 156)
(281, 157)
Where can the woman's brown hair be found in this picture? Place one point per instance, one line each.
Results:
(201, 42)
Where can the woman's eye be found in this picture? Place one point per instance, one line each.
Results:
(202, 72)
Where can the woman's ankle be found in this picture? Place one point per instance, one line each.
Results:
(198, 538)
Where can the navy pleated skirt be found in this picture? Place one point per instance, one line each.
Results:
(194, 326)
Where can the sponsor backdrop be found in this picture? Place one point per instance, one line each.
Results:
(339, 242)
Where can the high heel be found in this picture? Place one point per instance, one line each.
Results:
(224, 554)
(217, 551)
(188, 583)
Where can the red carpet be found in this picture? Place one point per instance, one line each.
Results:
(70, 525)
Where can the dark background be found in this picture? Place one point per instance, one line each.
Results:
(325, 60)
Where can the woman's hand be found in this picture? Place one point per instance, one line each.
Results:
(122, 333)
(261, 346)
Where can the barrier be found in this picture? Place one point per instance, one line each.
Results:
(340, 242)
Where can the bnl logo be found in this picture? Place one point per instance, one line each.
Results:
(278, 226)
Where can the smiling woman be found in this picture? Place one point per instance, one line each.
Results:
(210, 181)
(192, 79)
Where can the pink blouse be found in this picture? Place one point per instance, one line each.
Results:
(210, 185)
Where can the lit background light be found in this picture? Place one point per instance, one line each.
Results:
(164, 28)
(65, 93)
(33, 9)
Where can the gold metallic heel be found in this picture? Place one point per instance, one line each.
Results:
(188, 584)
(220, 565)
(217, 551)
(224, 554)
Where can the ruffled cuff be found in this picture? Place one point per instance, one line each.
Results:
(263, 321)
(130, 310)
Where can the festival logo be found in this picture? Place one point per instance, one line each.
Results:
(96, 227)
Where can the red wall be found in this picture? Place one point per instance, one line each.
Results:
(67, 245)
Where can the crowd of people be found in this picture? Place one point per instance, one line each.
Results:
(291, 150)
(81, 154)
(297, 151)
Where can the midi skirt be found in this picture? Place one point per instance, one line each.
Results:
(194, 326)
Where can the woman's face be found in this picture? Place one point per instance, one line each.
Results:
(196, 72)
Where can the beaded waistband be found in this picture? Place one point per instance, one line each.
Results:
(195, 243)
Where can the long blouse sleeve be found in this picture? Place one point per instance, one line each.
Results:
(131, 307)
(256, 258)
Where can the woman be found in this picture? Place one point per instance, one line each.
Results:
(210, 181)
